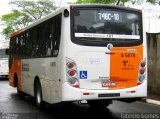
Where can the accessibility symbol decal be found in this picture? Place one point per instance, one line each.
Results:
(83, 74)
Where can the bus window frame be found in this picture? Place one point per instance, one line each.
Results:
(84, 42)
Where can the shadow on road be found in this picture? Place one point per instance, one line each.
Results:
(70, 111)
(75, 111)
(24, 107)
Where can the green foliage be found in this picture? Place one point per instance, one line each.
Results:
(96, 1)
(152, 1)
(24, 13)
(8, 21)
(102, 1)
(35, 9)
(117, 2)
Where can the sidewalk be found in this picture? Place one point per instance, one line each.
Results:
(153, 99)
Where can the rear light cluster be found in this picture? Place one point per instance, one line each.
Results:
(142, 72)
(72, 74)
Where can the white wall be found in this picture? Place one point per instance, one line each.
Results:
(153, 25)
(152, 16)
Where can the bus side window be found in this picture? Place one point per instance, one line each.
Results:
(56, 35)
(53, 35)
(28, 44)
(35, 43)
(11, 50)
(39, 40)
(49, 37)
(17, 46)
(22, 45)
(43, 40)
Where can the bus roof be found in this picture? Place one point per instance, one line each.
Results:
(105, 5)
(16, 32)
(60, 10)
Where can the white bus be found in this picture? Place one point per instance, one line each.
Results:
(4, 69)
(95, 53)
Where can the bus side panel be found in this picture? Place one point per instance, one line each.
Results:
(46, 71)
(16, 68)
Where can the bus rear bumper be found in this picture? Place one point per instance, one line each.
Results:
(70, 93)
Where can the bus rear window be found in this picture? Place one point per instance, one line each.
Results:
(101, 26)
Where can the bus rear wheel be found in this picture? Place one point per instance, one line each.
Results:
(38, 96)
(16, 84)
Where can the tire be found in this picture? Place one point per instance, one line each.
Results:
(38, 96)
(15, 80)
(20, 93)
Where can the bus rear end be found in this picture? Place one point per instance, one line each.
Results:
(105, 55)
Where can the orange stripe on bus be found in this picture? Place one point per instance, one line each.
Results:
(16, 68)
(16, 32)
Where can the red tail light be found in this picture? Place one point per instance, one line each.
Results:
(72, 72)
(142, 72)
(139, 83)
(72, 75)
(76, 86)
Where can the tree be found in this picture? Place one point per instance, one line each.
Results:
(24, 13)
(96, 1)
(117, 2)
(102, 1)
(152, 1)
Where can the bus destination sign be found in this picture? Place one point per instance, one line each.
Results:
(109, 16)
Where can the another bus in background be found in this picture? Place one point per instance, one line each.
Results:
(4, 69)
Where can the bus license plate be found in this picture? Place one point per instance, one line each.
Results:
(108, 84)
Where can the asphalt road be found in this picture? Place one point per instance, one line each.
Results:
(14, 107)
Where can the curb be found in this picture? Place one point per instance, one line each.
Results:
(151, 101)
(156, 102)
